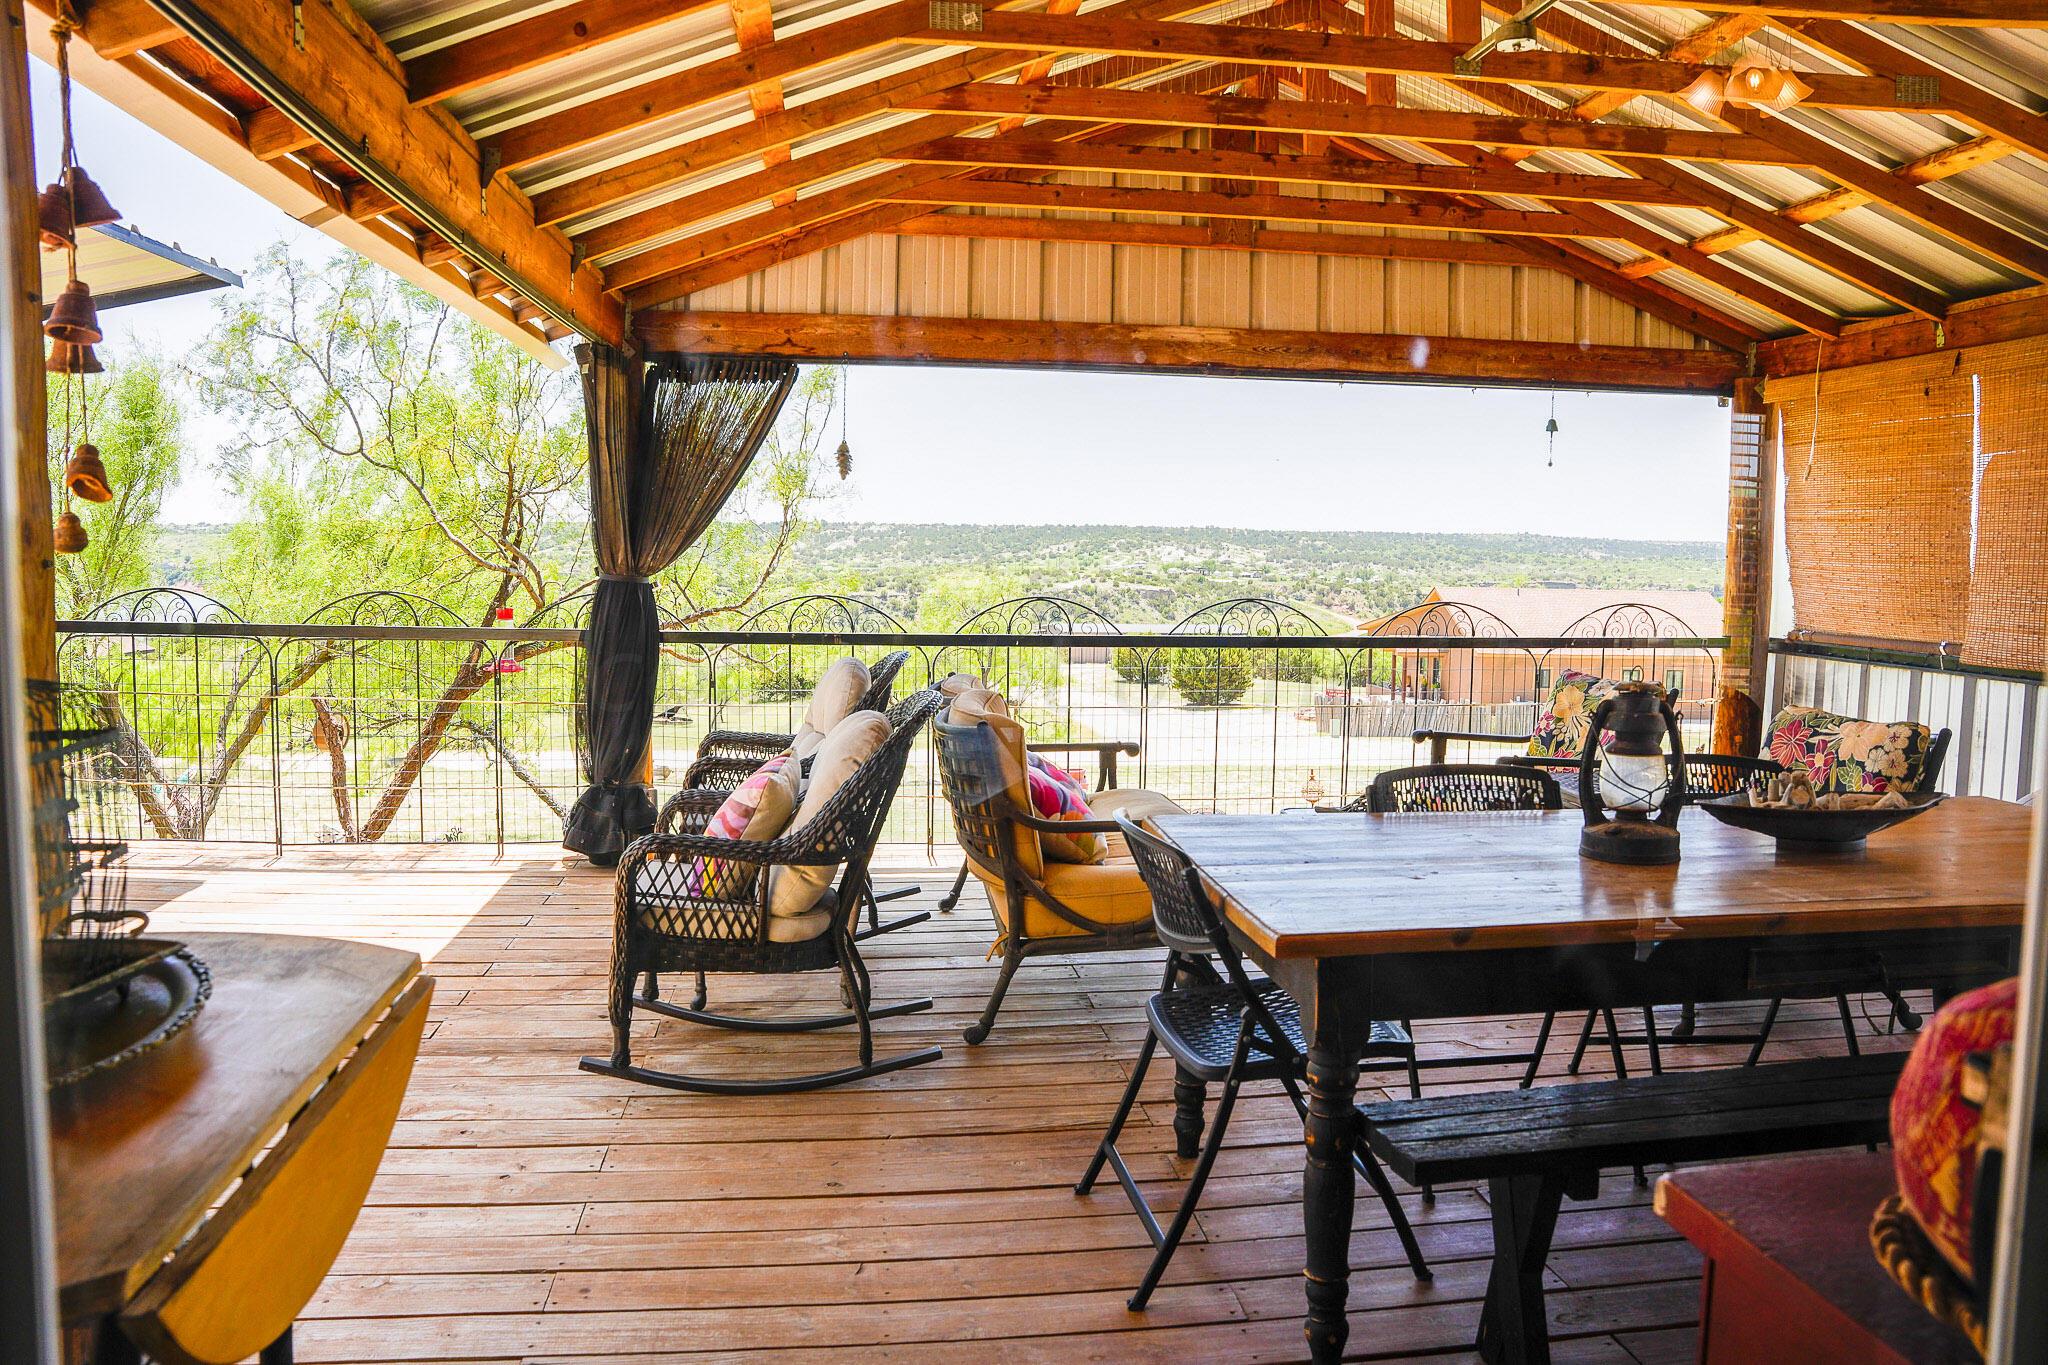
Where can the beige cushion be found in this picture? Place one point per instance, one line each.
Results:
(1136, 802)
(953, 684)
(832, 700)
(808, 925)
(853, 741)
(981, 706)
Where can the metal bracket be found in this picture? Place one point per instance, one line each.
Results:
(577, 253)
(1916, 89)
(953, 16)
(299, 25)
(1464, 64)
(1940, 336)
(489, 159)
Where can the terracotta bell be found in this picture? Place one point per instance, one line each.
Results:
(72, 357)
(89, 205)
(53, 217)
(69, 537)
(73, 317)
(86, 476)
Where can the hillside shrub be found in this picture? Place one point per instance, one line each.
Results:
(1139, 665)
(1211, 677)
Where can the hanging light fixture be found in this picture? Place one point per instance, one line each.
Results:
(1708, 91)
(1755, 82)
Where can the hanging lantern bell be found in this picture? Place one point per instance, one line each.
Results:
(53, 218)
(86, 476)
(73, 317)
(844, 456)
(89, 204)
(69, 537)
(71, 357)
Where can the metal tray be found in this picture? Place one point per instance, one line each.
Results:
(97, 1025)
(1838, 829)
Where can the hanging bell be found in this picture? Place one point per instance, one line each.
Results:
(844, 456)
(73, 317)
(69, 537)
(73, 357)
(53, 218)
(89, 205)
(86, 476)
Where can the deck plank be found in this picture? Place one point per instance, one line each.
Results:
(530, 1212)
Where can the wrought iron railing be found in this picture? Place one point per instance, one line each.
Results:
(382, 717)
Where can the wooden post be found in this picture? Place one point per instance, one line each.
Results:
(1746, 590)
(25, 367)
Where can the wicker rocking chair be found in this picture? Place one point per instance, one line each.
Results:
(726, 758)
(691, 903)
(1034, 919)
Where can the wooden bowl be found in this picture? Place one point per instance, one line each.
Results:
(1832, 828)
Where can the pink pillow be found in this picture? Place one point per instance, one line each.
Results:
(1059, 795)
(759, 809)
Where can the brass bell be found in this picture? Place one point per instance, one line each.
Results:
(73, 317)
(86, 476)
(89, 206)
(53, 218)
(69, 537)
(73, 357)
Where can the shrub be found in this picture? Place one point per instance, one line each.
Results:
(1139, 665)
(1211, 677)
(1287, 665)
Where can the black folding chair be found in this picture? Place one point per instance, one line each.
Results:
(1230, 1028)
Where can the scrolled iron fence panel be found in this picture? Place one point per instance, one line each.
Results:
(387, 719)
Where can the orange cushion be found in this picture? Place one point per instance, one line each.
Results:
(1109, 892)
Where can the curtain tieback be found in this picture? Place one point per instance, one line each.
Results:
(623, 578)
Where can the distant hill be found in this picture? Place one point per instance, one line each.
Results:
(1151, 574)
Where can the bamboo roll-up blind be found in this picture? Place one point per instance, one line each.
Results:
(1878, 466)
(2008, 616)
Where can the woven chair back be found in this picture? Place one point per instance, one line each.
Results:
(971, 771)
(1183, 914)
(1457, 787)
(882, 681)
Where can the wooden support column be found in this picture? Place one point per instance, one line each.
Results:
(1746, 589)
(24, 407)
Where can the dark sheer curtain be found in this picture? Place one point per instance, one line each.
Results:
(668, 444)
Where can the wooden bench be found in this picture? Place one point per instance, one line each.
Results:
(1535, 1148)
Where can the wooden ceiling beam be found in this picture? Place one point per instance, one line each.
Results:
(1345, 120)
(1378, 56)
(554, 36)
(1895, 192)
(122, 28)
(712, 270)
(2021, 314)
(1279, 241)
(2024, 128)
(1948, 13)
(638, 105)
(1292, 208)
(1130, 158)
(1213, 350)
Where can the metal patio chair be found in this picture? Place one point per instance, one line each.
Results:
(691, 903)
(1034, 919)
(1228, 1028)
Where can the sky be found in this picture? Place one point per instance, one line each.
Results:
(1029, 447)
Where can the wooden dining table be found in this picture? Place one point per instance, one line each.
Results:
(1435, 916)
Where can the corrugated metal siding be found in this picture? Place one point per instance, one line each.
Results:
(958, 277)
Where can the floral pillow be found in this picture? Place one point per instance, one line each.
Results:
(759, 809)
(1561, 730)
(1843, 754)
(1057, 794)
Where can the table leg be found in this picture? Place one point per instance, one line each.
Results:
(1189, 1095)
(111, 1347)
(1512, 1326)
(1328, 1188)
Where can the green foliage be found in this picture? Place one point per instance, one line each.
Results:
(1139, 665)
(1211, 677)
(1287, 665)
(131, 414)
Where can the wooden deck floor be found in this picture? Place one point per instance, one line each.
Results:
(528, 1211)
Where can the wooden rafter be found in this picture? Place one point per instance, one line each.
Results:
(2007, 317)
(554, 36)
(1280, 241)
(1380, 57)
(1954, 13)
(1346, 120)
(1218, 350)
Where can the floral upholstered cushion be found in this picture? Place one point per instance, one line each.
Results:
(1843, 754)
(1561, 729)
(1057, 794)
(758, 809)
(1935, 1130)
